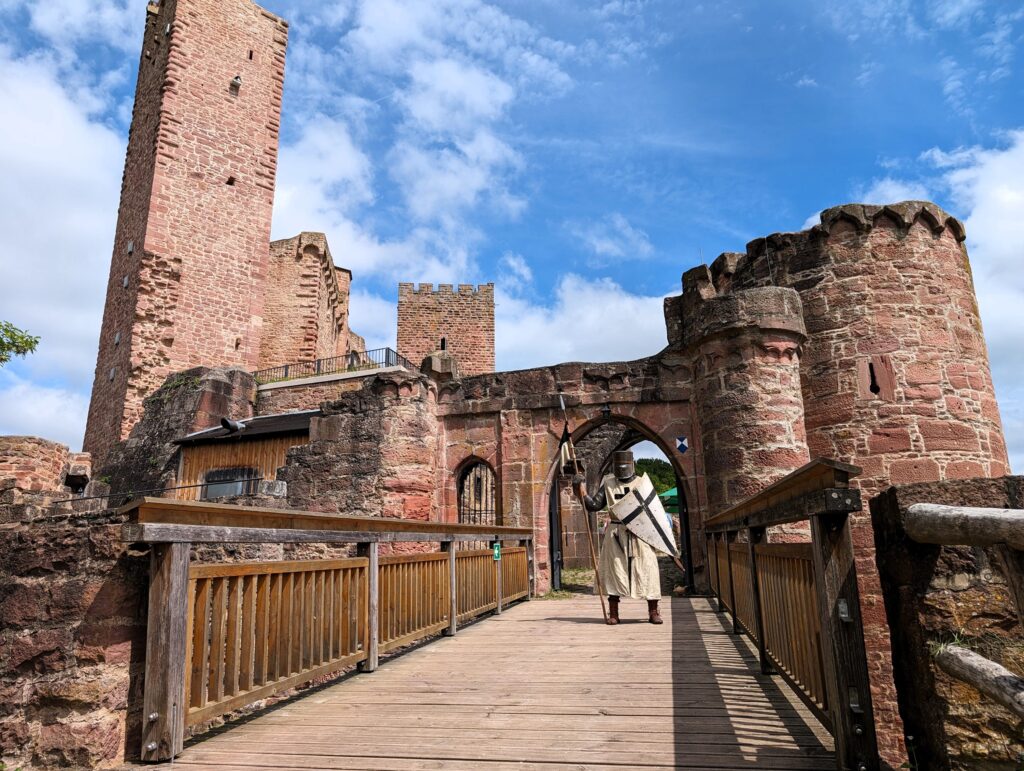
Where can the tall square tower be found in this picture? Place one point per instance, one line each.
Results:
(191, 249)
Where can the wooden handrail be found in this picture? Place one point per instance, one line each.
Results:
(798, 495)
(251, 630)
(800, 602)
(169, 511)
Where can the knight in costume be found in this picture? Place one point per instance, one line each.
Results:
(628, 565)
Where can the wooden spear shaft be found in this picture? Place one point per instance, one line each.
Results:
(598, 587)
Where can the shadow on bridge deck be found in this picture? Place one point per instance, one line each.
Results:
(545, 685)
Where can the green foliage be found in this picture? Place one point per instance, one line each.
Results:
(662, 475)
(15, 342)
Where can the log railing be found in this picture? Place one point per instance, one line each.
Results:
(225, 635)
(799, 602)
(1002, 529)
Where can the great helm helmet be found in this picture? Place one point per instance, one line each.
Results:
(622, 464)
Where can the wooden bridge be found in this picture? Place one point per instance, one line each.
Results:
(534, 684)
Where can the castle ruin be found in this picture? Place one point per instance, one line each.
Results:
(858, 339)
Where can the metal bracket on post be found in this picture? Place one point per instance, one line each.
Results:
(371, 552)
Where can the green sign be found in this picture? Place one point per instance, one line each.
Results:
(497, 551)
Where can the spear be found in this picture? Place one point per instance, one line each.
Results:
(567, 440)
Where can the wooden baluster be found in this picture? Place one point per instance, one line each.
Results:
(370, 551)
(755, 535)
(718, 572)
(248, 633)
(842, 634)
(531, 577)
(216, 682)
(453, 588)
(276, 628)
(164, 703)
(200, 643)
(730, 537)
(231, 640)
(262, 631)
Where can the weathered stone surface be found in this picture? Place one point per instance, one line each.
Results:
(463, 317)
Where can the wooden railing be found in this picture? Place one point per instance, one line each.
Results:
(222, 636)
(1003, 530)
(799, 602)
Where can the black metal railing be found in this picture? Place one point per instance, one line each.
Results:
(349, 362)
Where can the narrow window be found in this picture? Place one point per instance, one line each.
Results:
(444, 344)
(231, 181)
(250, 54)
(874, 387)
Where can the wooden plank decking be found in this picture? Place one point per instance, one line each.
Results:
(546, 685)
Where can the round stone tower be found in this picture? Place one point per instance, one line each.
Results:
(746, 351)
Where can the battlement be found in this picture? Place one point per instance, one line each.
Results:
(408, 289)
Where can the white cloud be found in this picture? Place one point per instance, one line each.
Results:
(807, 82)
(891, 190)
(68, 23)
(447, 96)
(60, 184)
(586, 321)
(612, 238)
(517, 265)
(28, 408)
(988, 185)
(374, 318)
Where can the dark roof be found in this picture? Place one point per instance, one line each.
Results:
(260, 426)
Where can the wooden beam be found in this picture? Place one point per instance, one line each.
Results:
(819, 474)
(178, 512)
(163, 701)
(842, 637)
(497, 579)
(170, 533)
(371, 552)
(992, 679)
(970, 526)
(805, 506)
(531, 567)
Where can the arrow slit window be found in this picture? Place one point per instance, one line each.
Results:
(477, 490)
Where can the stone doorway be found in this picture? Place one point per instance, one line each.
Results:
(595, 441)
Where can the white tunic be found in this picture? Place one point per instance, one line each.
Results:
(629, 566)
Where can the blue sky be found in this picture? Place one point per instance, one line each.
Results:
(580, 155)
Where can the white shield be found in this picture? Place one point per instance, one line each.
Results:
(644, 516)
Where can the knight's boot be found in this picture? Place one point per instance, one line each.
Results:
(652, 612)
(613, 611)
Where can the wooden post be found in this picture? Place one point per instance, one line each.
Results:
(527, 543)
(729, 538)
(718, 572)
(371, 552)
(453, 593)
(163, 702)
(755, 535)
(842, 637)
(497, 578)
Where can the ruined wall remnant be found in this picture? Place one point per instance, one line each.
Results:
(191, 247)
(305, 311)
(464, 318)
(942, 594)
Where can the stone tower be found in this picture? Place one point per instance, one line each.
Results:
(191, 248)
(460, 321)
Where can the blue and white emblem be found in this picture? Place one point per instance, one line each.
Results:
(682, 444)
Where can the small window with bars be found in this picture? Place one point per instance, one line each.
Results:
(478, 495)
(223, 482)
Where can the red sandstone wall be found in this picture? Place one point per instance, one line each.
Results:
(465, 318)
(196, 205)
(33, 464)
(306, 303)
